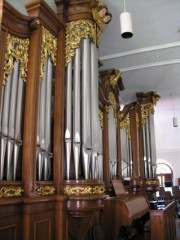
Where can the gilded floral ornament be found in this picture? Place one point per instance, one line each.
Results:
(101, 118)
(137, 120)
(101, 15)
(11, 191)
(155, 98)
(46, 190)
(126, 125)
(49, 48)
(17, 50)
(146, 109)
(84, 190)
(114, 78)
(112, 100)
(75, 31)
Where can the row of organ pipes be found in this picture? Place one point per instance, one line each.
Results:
(83, 133)
(12, 110)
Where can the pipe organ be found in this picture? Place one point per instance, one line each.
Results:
(138, 149)
(110, 87)
(63, 138)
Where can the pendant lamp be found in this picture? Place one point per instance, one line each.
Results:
(126, 23)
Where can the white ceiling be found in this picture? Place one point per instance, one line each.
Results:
(150, 60)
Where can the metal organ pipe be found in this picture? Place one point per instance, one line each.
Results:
(18, 124)
(5, 120)
(76, 112)
(112, 143)
(68, 133)
(86, 109)
(152, 144)
(94, 109)
(11, 120)
(1, 137)
(145, 152)
(41, 125)
(47, 131)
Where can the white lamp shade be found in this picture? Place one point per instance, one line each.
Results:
(126, 25)
(175, 122)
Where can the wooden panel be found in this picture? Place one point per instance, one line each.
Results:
(10, 220)
(11, 227)
(43, 227)
(163, 223)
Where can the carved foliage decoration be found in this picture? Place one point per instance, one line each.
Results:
(101, 118)
(17, 49)
(84, 190)
(101, 15)
(11, 191)
(46, 190)
(49, 48)
(114, 78)
(146, 109)
(75, 31)
(126, 125)
(112, 99)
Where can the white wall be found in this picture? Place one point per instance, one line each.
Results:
(168, 139)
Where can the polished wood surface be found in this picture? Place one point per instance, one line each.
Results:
(162, 223)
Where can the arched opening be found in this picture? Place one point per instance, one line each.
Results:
(165, 175)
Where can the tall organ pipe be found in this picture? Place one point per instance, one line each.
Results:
(94, 109)
(86, 118)
(47, 130)
(1, 136)
(11, 125)
(152, 144)
(41, 124)
(5, 120)
(18, 124)
(68, 133)
(148, 148)
(145, 152)
(76, 112)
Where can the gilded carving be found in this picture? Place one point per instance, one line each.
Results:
(152, 182)
(101, 15)
(114, 78)
(137, 120)
(46, 190)
(126, 125)
(75, 31)
(49, 48)
(84, 190)
(107, 108)
(101, 118)
(17, 50)
(11, 191)
(112, 99)
(146, 109)
(155, 98)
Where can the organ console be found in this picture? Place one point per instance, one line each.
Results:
(127, 213)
